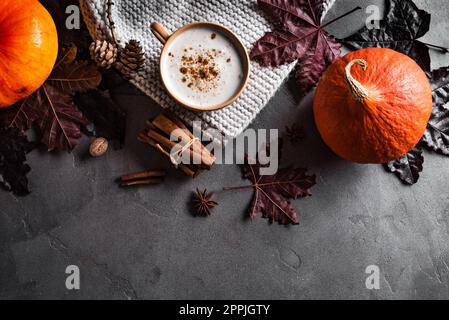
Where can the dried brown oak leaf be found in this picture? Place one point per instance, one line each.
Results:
(52, 108)
(70, 76)
(299, 36)
(272, 192)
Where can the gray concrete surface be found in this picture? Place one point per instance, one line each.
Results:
(145, 243)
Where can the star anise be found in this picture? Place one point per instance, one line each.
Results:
(202, 202)
(295, 133)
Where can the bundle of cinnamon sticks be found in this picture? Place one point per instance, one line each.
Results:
(157, 134)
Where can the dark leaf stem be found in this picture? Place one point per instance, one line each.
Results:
(432, 46)
(404, 24)
(443, 49)
(272, 193)
(240, 187)
(340, 17)
(310, 45)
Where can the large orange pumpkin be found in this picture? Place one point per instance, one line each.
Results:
(373, 105)
(28, 48)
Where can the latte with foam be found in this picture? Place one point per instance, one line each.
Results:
(203, 67)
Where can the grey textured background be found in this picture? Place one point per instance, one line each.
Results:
(144, 243)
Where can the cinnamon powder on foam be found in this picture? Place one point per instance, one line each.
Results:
(199, 68)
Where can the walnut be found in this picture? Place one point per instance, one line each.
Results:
(98, 147)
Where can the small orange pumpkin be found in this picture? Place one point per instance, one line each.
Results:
(373, 105)
(28, 48)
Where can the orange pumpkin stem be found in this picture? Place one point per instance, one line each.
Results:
(358, 91)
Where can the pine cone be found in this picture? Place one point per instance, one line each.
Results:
(131, 58)
(103, 53)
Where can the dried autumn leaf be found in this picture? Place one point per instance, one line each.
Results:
(20, 116)
(436, 136)
(440, 86)
(66, 55)
(44, 107)
(14, 146)
(272, 193)
(400, 30)
(60, 119)
(52, 107)
(70, 76)
(300, 36)
(62, 13)
(437, 133)
(79, 76)
(408, 167)
(109, 118)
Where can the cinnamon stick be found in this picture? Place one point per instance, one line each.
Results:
(143, 137)
(141, 182)
(143, 175)
(166, 125)
(182, 125)
(188, 171)
(178, 122)
(197, 158)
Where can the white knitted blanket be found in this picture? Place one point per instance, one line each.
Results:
(132, 19)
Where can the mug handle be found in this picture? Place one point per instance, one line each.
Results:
(160, 32)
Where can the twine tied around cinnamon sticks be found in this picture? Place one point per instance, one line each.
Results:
(176, 156)
(157, 134)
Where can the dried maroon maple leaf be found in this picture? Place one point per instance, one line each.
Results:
(272, 192)
(299, 36)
